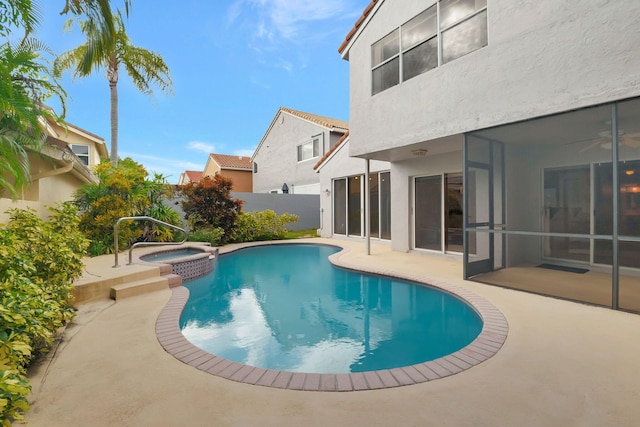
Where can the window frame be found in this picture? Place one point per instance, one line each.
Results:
(317, 148)
(438, 36)
(82, 156)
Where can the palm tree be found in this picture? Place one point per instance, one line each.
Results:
(144, 67)
(27, 80)
(99, 16)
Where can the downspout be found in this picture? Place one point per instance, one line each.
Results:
(66, 168)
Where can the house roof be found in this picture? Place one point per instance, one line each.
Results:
(331, 150)
(328, 122)
(333, 125)
(194, 176)
(226, 161)
(51, 125)
(357, 25)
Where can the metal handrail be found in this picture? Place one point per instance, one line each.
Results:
(144, 218)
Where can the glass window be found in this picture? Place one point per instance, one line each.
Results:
(567, 198)
(428, 211)
(385, 205)
(340, 206)
(421, 45)
(374, 205)
(310, 150)
(420, 28)
(82, 151)
(355, 204)
(386, 76)
(464, 38)
(452, 11)
(421, 58)
(384, 49)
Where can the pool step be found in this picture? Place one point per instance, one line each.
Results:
(139, 287)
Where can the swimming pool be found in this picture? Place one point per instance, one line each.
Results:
(285, 307)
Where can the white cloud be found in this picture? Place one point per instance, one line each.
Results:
(170, 168)
(205, 147)
(288, 19)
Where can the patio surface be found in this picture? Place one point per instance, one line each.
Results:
(563, 364)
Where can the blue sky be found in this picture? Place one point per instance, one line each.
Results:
(233, 64)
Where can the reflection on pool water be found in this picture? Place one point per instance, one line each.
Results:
(285, 307)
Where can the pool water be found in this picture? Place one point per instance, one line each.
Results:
(285, 307)
(165, 255)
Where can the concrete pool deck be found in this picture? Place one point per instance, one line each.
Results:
(563, 364)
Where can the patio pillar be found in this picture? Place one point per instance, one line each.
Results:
(367, 202)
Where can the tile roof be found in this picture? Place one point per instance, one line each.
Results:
(227, 161)
(331, 150)
(356, 26)
(194, 176)
(328, 122)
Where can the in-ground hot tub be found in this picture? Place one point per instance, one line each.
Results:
(189, 262)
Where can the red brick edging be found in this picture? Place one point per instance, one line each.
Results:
(487, 343)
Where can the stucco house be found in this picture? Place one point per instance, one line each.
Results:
(63, 165)
(189, 176)
(289, 149)
(237, 168)
(512, 132)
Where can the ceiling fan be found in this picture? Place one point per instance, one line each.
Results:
(631, 140)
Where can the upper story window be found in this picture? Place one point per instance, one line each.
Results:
(255, 167)
(310, 149)
(447, 30)
(82, 151)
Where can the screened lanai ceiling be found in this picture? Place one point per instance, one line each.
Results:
(580, 126)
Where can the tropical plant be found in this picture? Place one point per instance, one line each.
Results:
(208, 204)
(145, 68)
(39, 260)
(123, 191)
(262, 225)
(27, 80)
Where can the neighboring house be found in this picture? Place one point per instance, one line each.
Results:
(513, 135)
(292, 144)
(63, 165)
(189, 176)
(237, 168)
(342, 197)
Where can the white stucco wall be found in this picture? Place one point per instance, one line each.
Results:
(277, 156)
(542, 57)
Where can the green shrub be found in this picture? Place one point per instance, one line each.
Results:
(39, 260)
(124, 190)
(262, 225)
(208, 204)
(210, 235)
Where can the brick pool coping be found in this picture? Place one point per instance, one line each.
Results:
(486, 344)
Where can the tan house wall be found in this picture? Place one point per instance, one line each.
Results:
(242, 180)
(211, 168)
(42, 193)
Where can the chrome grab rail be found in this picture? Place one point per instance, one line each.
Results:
(143, 218)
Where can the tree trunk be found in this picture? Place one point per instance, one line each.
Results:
(112, 75)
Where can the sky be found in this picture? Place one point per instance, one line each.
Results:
(233, 65)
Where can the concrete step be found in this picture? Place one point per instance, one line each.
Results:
(98, 284)
(139, 287)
